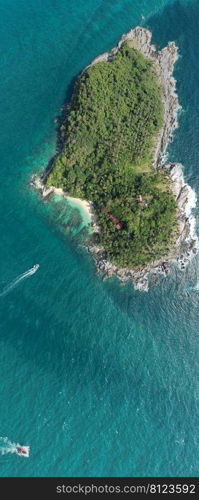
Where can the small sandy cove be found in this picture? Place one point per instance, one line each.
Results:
(87, 206)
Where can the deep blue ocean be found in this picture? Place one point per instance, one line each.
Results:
(97, 378)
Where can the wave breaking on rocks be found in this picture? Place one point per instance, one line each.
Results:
(186, 244)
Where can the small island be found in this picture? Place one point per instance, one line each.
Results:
(113, 141)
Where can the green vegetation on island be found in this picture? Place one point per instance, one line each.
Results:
(109, 136)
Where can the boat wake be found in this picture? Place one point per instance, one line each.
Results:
(19, 278)
(6, 446)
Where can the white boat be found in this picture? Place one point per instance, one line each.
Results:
(23, 451)
(35, 267)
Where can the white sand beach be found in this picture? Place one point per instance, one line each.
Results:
(83, 204)
(86, 207)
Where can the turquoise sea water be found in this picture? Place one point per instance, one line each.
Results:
(98, 379)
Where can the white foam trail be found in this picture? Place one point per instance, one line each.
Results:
(191, 204)
(14, 283)
(6, 446)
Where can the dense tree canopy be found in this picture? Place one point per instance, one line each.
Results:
(109, 133)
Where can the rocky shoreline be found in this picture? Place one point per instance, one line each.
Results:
(186, 242)
(184, 249)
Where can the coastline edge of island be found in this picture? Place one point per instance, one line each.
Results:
(186, 244)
